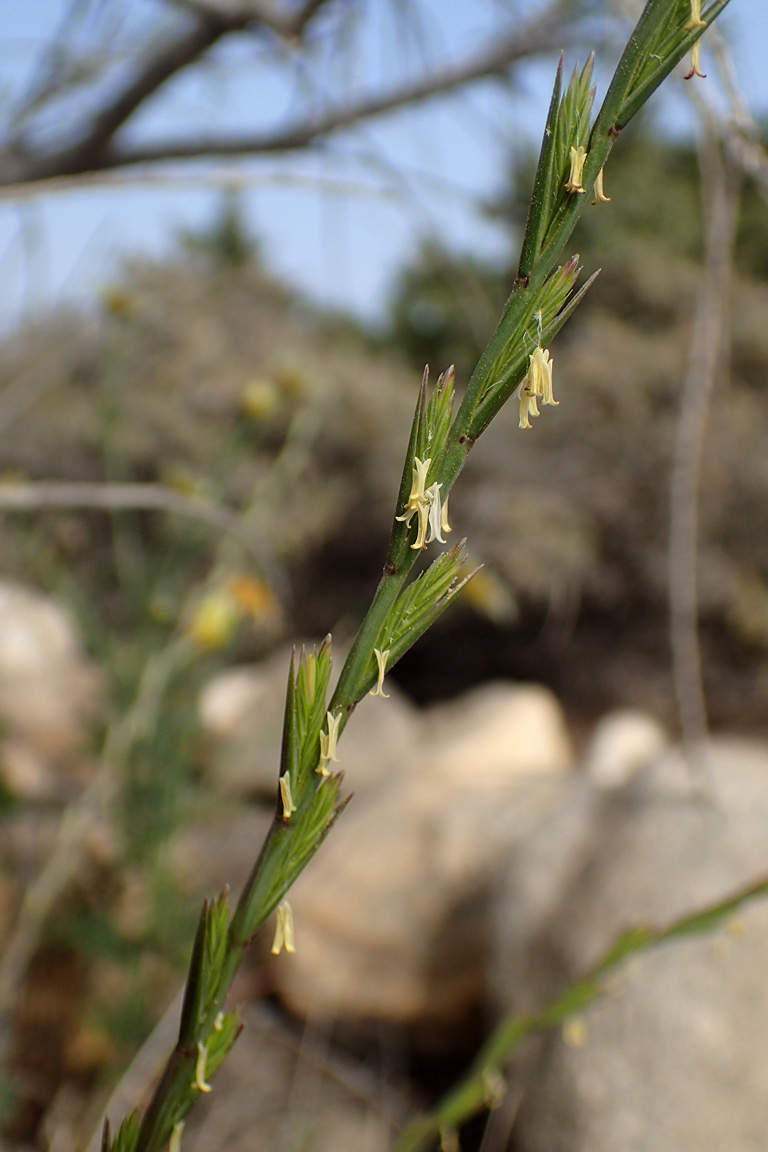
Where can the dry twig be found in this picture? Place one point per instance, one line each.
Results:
(705, 370)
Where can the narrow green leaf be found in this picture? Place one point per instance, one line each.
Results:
(656, 71)
(467, 1098)
(656, 15)
(416, 445)
(127, 1134)
(539, 210)
(420, 604)
(289, 757)
(315, 689)
(290, 845)
(216, 938)
(194, 993)
(437, 420)
(222, 1036)
(541, 325)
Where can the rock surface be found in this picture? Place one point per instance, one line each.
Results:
(49, 692)
(673, 1057)
(622, 743)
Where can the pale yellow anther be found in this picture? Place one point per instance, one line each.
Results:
(444, 517)
(418, 483)
(540, 372)
(576, 175)
(283, 929)
(600, 196)
(381, 661)
(696, 63)
(328, 744)
(287, 797)
(425, 503)
(537, 383)
(311, 673)
(199, 1081)
(434, 513)
(420, 542)
(528, 406)
(420, 470)
(174, 1144)
(218, 1023)
(695, 20)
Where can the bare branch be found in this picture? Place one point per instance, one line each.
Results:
(491, 63)
(96, 152)
(705, 370)
(89, 152)
(213, 19)
(61, 494)
(289, 24)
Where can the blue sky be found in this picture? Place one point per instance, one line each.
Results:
(336, 224)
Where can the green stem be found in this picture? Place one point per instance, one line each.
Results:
(253, 908)
(639, 95)
(504, 388)
(471, 1095)
(653, 17)
(515, 310)
(280, 858)
(169, 1097)
(613, 114)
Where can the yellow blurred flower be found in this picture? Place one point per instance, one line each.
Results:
(118, 302)
(214, 620)
(200, 1081)
(185, 482)
(217, 615)
(253, 598)
(291, 378)
(491, 597)
(576, 1032)
(260, 400)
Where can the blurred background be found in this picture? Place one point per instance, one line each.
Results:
(232, 233)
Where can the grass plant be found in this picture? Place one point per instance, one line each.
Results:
(415, 589)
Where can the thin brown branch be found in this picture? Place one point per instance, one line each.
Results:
(742, 138)
(219, 176)
(95, 153)
(704, 372)
(90, 151)
(492, 62)
(33, 497)
(289, 23)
